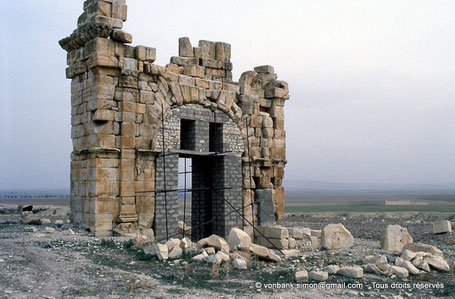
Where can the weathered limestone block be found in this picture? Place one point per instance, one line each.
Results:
(441, 227)
(267, 69)
(238, 239)
(301, 276)
(145, 53)
(222, 51)
(336, 236)
(394, 238)
(264, 199)
(185, 47)
(122, 36)
(208, 49)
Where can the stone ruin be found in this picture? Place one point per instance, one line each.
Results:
(132, 121)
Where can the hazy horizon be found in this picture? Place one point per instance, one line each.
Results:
(372, 83)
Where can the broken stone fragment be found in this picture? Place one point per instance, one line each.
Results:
(185, 243)
(438, 263)
(331, 269)
(272, 256)
(400, 272)
(301, 276)
(161, 251)
(318, 275)
(336, 236)
(176, 252)
(399, 261)
(45, 221)
(209, 250)
(308, 243)
(410, 267)
(408, 255)
(171, 243)
(372, 268)
(58, 222)
(267, 69)
(394, 238)
(223, 256)
(259, 250)
(240, 264)
(213, 259)
(122, 36)
(353, 272)
(217, 242)
(421, 247)
(372, 259)
(238, 239)
(198, 258)
(202, 243)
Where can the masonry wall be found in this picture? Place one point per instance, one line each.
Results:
(119, 97)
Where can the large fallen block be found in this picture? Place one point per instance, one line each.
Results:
(336, 236)
(394, 238)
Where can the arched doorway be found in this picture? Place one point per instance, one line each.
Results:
(212, 144)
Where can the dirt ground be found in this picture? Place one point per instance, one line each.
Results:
(63, 265)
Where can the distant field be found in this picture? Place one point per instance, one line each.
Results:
(312, 208)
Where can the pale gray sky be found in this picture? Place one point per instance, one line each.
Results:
(372, 82)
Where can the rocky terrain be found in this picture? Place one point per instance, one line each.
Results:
(59, 260)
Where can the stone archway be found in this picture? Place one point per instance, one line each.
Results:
(119, 96)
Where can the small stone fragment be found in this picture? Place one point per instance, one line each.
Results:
(301, 276)
(353, 272)
(240, 264)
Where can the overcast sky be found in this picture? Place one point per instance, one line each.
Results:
(372, 82)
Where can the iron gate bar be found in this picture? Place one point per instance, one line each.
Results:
(184, 200)
(183, 190)
(216, 172)
(191, 189)
(194, 153)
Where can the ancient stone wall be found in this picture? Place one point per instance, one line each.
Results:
(119, 98)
